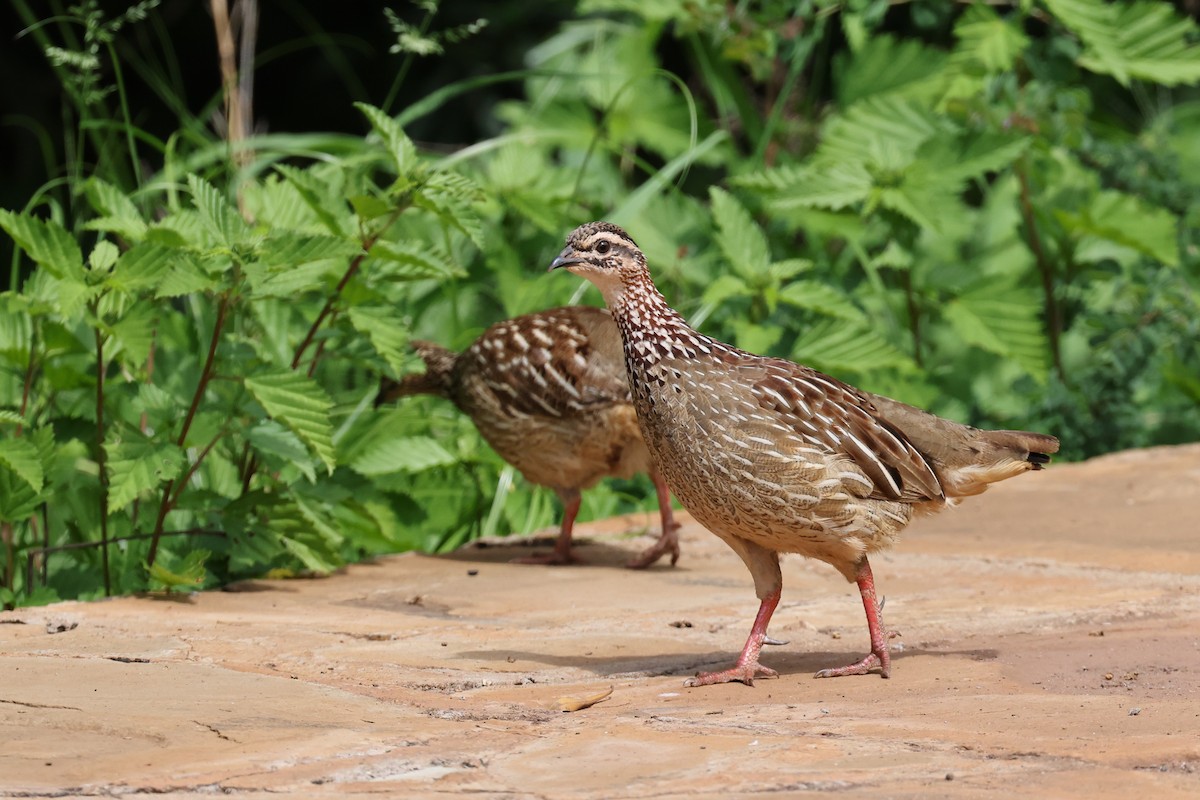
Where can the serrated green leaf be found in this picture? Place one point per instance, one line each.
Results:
(1127, 221)
(738, 235)
(103, 256)
(450, 196)
(406, 261)
(142, 267)
(833, 186)
(329, 207)
(987, 39)
(47, 243)
(885, 130)
(837, 347)
(399, 146)
(1143, 40)
(1005, 322)
(300, 403)
(387, 334)
(401, 454)
(11, 417)
(901, 66)
(19, 455)
(821, 298)
(117, 213)
(187, 572)
(220, 218)
(723, 288)
(137, 467)
(290, 248)
(950, 161)
(18, 499)
(71, 295)
(289, 282)
(755, 338)
(182, 228)
(272, 439)
(296, 534)
(184, 276)
(135, 333)
(16, 329)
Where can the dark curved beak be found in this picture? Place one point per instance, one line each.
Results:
(565, 259)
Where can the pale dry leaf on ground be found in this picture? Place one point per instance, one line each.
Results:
(573, 703)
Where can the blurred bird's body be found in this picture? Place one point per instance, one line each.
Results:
(548, 393)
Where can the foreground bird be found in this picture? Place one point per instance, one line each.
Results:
(774, 457)
(548, 393)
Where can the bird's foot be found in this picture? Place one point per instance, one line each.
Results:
(668, 542)
(553, 559)
(746, 673)
(878, 657)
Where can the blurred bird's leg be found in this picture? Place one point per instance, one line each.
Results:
(668, 540)
(768, 584)
(879, 655)
(562, 546)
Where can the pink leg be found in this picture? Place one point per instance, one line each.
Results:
(747, 667)
(562, 547)
(879, 656)
(668, 540)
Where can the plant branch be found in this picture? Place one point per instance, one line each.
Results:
(10, 568)
(27, 383)
(187, 476)
(914, 315)
(351, 271)
(1045, 268)
(205, 376)
(101, 455)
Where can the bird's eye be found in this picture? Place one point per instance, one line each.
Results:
(602, 247)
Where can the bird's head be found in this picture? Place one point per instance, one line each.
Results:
(605, 255)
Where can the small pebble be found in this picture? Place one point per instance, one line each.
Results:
(472, 572)
(1133, 712)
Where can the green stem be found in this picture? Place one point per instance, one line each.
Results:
(799, 58)
(124, 100)
(101, 455)
(10, 555)
(404, 68)
(351, 271)
(914, 315)
(206, 374)
(1045, 268)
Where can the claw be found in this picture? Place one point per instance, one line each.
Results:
(745, 673)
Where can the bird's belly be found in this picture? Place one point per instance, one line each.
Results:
(787, 499)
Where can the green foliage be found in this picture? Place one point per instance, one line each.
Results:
(989, 210)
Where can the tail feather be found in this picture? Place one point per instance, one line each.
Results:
(997, 456)
(437, 379)
(967, 459)
(1035, 448)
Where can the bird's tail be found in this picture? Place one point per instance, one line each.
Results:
(967, 459)
(436, 379)
(999, 455)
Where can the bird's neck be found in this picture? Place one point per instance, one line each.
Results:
(650, 329)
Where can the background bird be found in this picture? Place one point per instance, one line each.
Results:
(774, 457)
(548, 392)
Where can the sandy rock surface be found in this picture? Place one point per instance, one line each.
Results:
(1051, 634)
